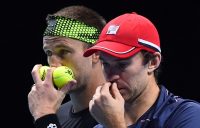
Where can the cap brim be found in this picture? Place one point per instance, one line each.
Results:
(113, 48)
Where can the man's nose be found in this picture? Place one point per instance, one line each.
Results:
(112, 74)
(54, 61)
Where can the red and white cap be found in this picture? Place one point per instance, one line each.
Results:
(126, 35)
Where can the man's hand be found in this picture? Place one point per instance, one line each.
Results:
(107, 106)
(44, 98)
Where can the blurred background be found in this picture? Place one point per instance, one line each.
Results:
(23, 23)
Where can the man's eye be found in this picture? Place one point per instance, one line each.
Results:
(104, 63)
(49, 53)
(62, 52)
(122, 65)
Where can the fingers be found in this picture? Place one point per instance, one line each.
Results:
(48, 81)
(96, 95)
(105, 90)
(102, 92)
(33, 88)
(32, 92)
(68, 86)
(94, 100)
(98, 91)
(49, 74)
(91, 104)
(108, 90)
(115, 92)
(35, 73)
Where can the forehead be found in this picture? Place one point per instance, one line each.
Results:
(49, 41)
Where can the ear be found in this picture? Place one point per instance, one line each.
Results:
(154, 63)
(95, 57)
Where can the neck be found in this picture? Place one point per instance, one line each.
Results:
(81, 98)
(147, 98)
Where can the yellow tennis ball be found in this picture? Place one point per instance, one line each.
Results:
(62, 75)
(43, 72)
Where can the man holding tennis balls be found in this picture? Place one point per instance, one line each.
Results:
(69, 32)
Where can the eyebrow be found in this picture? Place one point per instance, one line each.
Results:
(59, 46)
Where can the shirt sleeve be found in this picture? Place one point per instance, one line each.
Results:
(186, 116)
(47, 121)
(98, 126)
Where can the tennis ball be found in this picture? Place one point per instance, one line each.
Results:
(62, 75)
(43, 71)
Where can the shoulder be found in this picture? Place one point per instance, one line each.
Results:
(189, 106)
(187, 114)
(188, 109)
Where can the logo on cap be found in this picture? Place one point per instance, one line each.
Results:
(112, 30)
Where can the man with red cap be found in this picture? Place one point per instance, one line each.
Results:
(129, 48)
